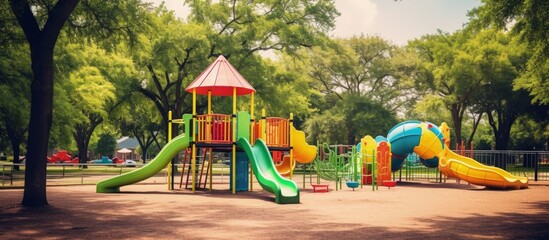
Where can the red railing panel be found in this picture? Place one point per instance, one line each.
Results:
(214, 128)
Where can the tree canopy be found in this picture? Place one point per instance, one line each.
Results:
(526, 19)
(70, 67)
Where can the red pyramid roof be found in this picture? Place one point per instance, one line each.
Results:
(220, 78)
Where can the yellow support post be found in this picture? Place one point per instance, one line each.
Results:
(209, 119)
(209, 101)
(262, 125)
(169, 171)
(252, 123)
(252, 107)
(193, 154)
(291, 146)
(233, 170)
(211, 168)
(209, 136)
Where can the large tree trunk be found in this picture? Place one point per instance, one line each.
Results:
(39, 126)
(42, 43)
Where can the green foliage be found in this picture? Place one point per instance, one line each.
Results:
(137, 118)
(91, 82)
(360, 90)
(341, 88)
(527, 19)
(431, 108)
(9, 27)
(484, 141)
(106, 145)
(174, 52)
(502, 64)
(86, 88)
(284, 90)
(246, 27)
(529, 134)
(459, 65)
(535, 81)
(104, 23)
(349, 120)
(15, 78)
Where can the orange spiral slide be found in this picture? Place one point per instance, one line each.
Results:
(302, 152)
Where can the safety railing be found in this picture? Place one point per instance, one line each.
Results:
(214, 128)
(531, 164)
(277, 132)
(65, 174)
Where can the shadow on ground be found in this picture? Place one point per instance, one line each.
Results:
(92, 216)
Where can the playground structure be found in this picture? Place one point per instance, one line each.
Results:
(367, 163)
(431, 144)
(380, 156)
(252, 144)
(62, 157)
(376, 158)
(332, 164)
(249, 143)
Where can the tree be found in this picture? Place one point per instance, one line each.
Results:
(455, 64)
(94, 83)
(361, 68)
(15, 77)
(239, 30)
(503, 60)
(170, 54)
(530, 133)
(527, 20)
(106, 145)
(41, 39)
(285, 85)
(365, 66)
(503, 109)
(349, 120)
(364, 84)
(137, 119)
(42, 23)
(4, 143)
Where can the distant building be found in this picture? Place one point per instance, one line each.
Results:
(125, 148)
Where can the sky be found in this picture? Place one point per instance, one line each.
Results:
(396, 21)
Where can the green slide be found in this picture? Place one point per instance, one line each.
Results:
(168, 152)
(285, 190)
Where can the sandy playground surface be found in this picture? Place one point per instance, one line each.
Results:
(408, 211)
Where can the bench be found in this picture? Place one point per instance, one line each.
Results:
(320, 187)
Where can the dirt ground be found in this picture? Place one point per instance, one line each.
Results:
(408, 211)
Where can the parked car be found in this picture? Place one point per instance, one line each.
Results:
(130, 163)
(117, 160)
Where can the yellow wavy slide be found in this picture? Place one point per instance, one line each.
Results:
(302, 152)
(454, 165)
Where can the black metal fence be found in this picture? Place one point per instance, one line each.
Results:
(531, 164)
